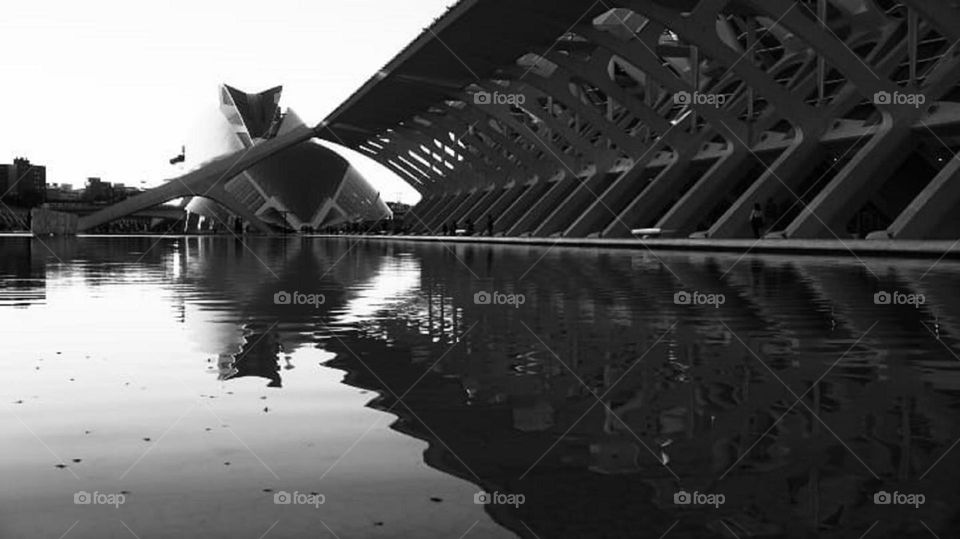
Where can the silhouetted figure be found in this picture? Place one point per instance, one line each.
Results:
(445, 229)
(489, 225)
(756, 220)
(453, 228)
(238, 226)
(469, 227)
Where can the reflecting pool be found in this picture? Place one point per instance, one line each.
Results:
(208, 387)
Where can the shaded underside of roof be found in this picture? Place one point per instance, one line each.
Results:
(470, 42)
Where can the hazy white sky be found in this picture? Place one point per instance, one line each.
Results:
(111, 88)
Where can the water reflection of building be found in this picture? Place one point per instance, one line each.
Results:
(704, 400)
(259, 357)
(494, 390)
(23, 271)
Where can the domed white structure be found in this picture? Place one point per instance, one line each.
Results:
(307, 185)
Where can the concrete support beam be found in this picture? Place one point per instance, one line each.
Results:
(686, 214)
(414, 174)
(442, 215)
(550, 125)
(418, 213)
(567, 209)
(646, 206)
(932, 206)
(526, 160)
(944, 15)
(539, 209)
(520, 205)
(206, 181)
(502, 115)
(504, 200)
(489, 197)
(464, 173)
(505, 170)
(459, 214)
(783, 175)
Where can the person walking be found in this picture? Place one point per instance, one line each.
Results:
(489, 225)
(756, 220)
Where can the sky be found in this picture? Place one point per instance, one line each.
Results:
(111, 89)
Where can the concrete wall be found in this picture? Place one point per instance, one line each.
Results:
(44, 221)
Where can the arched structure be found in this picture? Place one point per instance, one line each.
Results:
(305, 186)
(838, 117)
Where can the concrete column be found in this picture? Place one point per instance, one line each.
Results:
(418, 212)
(646, 207)
(570, 206)
(442, 215)
(507, 197)
(785, 174)
(533, 218)
(522, 203)
(489, 196)
(944, 15)
(684, 216)
(468, 203)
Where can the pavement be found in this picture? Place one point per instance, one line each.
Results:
(936, 249)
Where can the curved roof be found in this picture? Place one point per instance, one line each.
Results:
(467, 43)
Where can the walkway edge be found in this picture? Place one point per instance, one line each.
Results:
(849, 248)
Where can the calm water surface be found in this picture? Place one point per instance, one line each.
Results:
(586, 396)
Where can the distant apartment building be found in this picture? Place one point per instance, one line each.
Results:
(97, 190)
(23, 182)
